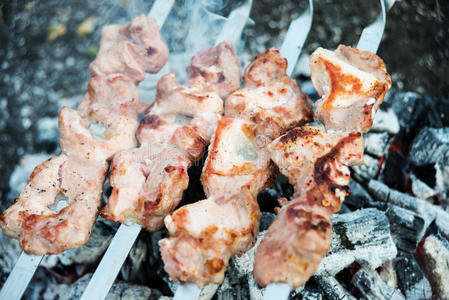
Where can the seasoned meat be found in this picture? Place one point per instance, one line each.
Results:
(316, 163)
(175, 131)
(130, 50)
(219, 67)
(205, 235)
(352, 84)
(105, 123)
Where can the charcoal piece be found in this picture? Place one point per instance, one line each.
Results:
(381, 192)
(266, 220)
(360, 198)
(119, 290)
(331, 288)
(388, 274)
(411, 278)
(442, 224)
(376, 143)
(442, 173)
(407, 228)
(436, 264)
(385, 121)
(429, 146)
(373, 287)
(420, 189)
(131, 269)
(404, 105)
(362, 236)
(367, 170)
(309, 295)
(98, 242)
(394, 170)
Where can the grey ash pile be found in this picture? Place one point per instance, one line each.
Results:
(390, 240)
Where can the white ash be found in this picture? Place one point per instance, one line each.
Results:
(371, 286)
(420, 189)
(10, 251)
(388, 274)
(362, 236)
(97, 244)
(367, 170)
(119, 291)
(376, 143)
(331, 288)
(132, 266)
(436, 263)
(411, 279)
(386, 121)
(429, 146)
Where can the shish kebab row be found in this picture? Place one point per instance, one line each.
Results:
(248, 144)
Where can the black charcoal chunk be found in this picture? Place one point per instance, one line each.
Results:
(385, 121)
(119, 290)
(309, 295)
(360, 198)
(376, 143)
(371, 286)
(403, 104)
(98, 242)
(420, 189)
(367, 170)
(442, 173)
(362, 236)
(429, 146)
(331, 288)
(436, 264)
(411, 278)
(426, 210)
(407, 228)
(131, 269)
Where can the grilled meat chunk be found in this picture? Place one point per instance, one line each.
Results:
(205, 235)
(175, 131)
(352, 84)
(316, 163)
(130, 50)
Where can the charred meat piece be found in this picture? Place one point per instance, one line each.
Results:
(316, 163)
(175, 131)
(352, 84)
(130, 50)
(205, 235)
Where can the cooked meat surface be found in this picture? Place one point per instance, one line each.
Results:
(105, 123)
(130, 50)
(316, 163)
(352, 84)
(205, 235)
(175, 131)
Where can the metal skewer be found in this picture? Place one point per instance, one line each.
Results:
(121, 244)
(26, 265)
(290, 49)
(369, 41)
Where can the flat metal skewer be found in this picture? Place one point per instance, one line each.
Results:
(112, 261)
(369, 41)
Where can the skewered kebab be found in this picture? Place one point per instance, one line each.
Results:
(352, 84)
(149, 181)
(204, 235)
(77, 175)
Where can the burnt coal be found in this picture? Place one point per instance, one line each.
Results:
(371, 286)
(360, 198)
(376, 143)
(420, 189)
(131, 269)
(411, 279)
(429, 146)
(407, 228)
(385, 121)
(331, 288)
(395, 170)
(119, 291)
(436, 263)
(387, 273)
(367, 170)
(362, 236)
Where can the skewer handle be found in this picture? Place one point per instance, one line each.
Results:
(160, 10)
(187, 291)
(276, 291)
(20, 276)
(111, 263)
